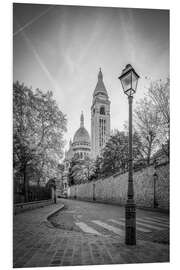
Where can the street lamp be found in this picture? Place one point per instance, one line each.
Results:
(155, 177)
(129, 79)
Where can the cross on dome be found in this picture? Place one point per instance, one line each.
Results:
(81, 135)
(82, 120)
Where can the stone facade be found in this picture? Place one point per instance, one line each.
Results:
(81, 145)
(114, 189)
(100, 117)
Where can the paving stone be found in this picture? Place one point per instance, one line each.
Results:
(38, 244)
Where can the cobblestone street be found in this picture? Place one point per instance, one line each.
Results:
(63, 239)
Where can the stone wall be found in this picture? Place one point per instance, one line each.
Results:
(114, 189)
(162, 186)
(21, 207)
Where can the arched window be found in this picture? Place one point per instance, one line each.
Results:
(102, 110)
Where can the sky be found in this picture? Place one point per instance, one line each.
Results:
(61, 48)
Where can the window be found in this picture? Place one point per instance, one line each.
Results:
(102, 110)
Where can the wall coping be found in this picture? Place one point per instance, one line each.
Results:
(21, 207)
(29, 203)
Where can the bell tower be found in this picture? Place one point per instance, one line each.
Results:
(100, 117)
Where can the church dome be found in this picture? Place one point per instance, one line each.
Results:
(81, 135)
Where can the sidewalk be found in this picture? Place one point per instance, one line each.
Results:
(37, 243)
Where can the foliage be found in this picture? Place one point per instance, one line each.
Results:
(159, 93)
(81, 170)
(146, 124)
(115, 155)
(38, 127)
(98, 165)
(152, 119)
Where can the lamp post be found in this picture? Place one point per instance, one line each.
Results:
(129, 79)
(155, 177)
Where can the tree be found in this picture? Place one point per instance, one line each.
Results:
(73, 162)
(50, 125)
(97, 171)
(152, 119)
(81, 170)
(159, 93)
(146, 124)
(87, 169)
(23, 150)
(115, 155)
(38, 127)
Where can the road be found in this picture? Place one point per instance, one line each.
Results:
(108, 220)
(84, 233)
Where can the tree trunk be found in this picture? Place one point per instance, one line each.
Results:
(25, 184)
(149, 153)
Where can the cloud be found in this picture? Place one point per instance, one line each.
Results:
(56, 86)
(32, 21)
(129, 38)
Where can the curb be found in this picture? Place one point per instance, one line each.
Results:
(46, 220)
(54, 212)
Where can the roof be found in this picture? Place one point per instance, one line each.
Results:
(81, 134)
(100, 87)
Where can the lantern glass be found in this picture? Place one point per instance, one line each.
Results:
(134, 81)
(126, 82)
(129, 79)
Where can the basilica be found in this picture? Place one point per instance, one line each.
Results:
(83, 145)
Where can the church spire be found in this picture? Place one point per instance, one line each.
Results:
(100, 75)
(100, 117)
(82, 120)
(100, 87)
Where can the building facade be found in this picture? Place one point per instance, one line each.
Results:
(82, 146)
(100, 117)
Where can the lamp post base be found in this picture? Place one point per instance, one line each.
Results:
(155, 204)
(130, 217)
